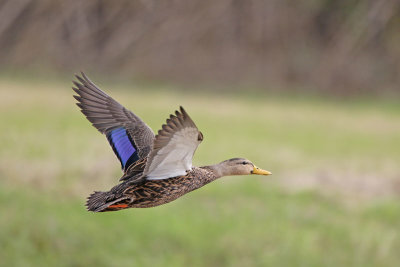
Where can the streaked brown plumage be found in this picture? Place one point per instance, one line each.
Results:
(151, 193)
(157, 169)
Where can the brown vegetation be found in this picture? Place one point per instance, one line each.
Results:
(347, 46)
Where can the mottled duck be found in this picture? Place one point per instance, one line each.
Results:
(157, 169)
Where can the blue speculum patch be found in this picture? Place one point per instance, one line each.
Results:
(123, 146)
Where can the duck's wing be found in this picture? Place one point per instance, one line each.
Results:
(173, 148)
(134, 173)
(130, 138)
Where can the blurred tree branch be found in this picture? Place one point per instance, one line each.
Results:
(336, 45)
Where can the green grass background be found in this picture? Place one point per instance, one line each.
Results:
(348, 214)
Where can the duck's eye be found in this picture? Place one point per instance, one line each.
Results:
(244, 162)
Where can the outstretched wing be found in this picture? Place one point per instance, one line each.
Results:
(130, 138)
(173, 148)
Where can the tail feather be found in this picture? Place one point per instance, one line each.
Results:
(104, 201)
(108, 201)
(97, 201)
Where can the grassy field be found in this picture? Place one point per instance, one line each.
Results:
(333, 198)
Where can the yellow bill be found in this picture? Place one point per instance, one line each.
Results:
(259, 171)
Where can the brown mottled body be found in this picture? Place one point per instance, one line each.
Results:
(157, 192)
(151, 193)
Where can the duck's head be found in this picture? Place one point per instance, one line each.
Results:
(239, 166)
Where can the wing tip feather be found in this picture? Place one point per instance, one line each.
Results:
(176, 122)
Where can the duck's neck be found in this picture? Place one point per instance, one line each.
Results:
(216, 170)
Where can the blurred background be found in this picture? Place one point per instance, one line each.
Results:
(306, 89)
